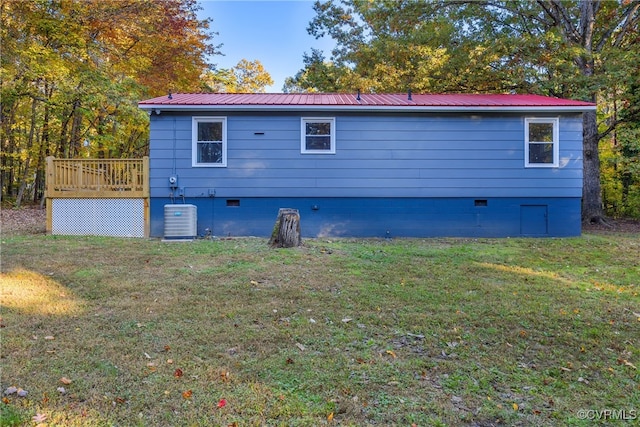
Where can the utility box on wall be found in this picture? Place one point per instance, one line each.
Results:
(180, 221)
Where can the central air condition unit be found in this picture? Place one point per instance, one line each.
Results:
(180, 221)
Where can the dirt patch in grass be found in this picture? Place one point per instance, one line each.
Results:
(621, 225)
(29, 220)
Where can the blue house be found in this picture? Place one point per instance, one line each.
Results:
(369, 165)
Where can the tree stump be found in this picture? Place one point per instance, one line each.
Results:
(286, 231)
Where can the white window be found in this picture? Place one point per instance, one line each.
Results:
(209, 141)
(318, 135)
(541, 142)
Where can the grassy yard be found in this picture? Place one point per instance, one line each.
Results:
(427, 332)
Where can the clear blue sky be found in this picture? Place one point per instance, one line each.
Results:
(273, 32)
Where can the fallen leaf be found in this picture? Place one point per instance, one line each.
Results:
(330, 417)
(391, 353)
(178, 373)
(187, 394)
(627, 363)
(290, 361)
(301, 347)
(515, 406)
(65, 381)
(120, 400)
(222, 403)
(39, 418)
(254, 283)
(49, 337)
(5, 400)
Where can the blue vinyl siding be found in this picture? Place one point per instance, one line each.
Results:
(379, 157)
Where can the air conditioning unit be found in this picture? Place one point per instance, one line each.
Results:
(180, 221)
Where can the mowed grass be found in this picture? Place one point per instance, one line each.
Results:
(408, 332)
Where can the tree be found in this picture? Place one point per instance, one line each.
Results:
(320, 75)
(71, 73)
(245, 77)
(575, 49)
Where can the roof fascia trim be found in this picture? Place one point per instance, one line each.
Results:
(371, 108)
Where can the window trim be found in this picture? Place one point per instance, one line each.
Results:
(555, 121)
(194, 141)
(303, 135)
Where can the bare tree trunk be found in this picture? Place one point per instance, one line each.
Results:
(286, 231)
(25, 174)
(591, 190)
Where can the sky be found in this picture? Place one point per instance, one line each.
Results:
(273, 32)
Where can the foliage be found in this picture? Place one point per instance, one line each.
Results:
(73, 71)
(351, 332)
(582, 50)
(245, 77)
(621, 172)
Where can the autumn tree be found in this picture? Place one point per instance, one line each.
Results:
(245, 77)
(72, 72)
(319, 74)
(581, 49)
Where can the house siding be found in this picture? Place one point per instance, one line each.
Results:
(415, 174)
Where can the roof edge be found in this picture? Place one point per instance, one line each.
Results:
(371, 108)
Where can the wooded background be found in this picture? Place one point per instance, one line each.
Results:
(72, 72)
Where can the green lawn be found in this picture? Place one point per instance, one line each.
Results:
(430, 332)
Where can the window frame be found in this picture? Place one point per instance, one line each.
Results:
(195, 121)
(555, 122)
(303, 134)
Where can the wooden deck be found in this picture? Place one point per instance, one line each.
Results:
(97, 179)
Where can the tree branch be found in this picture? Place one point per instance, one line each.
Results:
(629, 19)
(556, 10)
(630, 22)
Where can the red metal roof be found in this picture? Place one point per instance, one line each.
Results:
(338, 100)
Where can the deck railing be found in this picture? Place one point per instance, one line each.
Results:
(97, 178)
